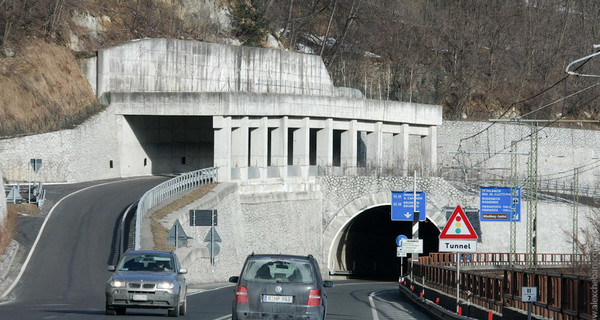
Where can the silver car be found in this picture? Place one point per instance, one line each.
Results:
(280, 287)
(147, 279)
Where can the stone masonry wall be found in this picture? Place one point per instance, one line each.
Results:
(267, 223)
(80, 154)
(295, 222)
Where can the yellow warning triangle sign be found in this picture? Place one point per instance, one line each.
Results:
(458, 226)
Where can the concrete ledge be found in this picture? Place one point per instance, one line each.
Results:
(433, 309)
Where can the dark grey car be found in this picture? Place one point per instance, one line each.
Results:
(280, 287)
(147, 279)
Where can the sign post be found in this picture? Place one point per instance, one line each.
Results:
(401, 254)
(36, 164)
(458, 236)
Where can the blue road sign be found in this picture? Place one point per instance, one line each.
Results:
(399, 240)
(402, 206)
(495, 204)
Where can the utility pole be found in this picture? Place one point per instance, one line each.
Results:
(514, 201)
(575, 211)
(532, 199)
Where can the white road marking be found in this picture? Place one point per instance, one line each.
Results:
(373, 309)
(39, 235)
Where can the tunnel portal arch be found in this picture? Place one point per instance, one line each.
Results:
(360, 239)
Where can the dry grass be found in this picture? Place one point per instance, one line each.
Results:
(8, 229)
(42, 88)
(160, 233)
(24, 208)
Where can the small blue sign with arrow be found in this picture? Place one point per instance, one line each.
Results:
(403, 206)
(399, 240)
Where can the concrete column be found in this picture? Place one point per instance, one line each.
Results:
(259, 140)
(325, 145)
(387, 154)
(429, 150)
(401, 149)
(279, 144)
(222, 146)
(301, 156)
(348, 148)
(239, 144)
(279, 148)
(135, 159)
(374, 146)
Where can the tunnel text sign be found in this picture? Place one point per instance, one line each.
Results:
(495, 204)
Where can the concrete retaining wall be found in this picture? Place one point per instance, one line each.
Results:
(3, 209)
(559, 149)
(171, 65)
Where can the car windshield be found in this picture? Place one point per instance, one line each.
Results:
(279, 270)
(145, 262)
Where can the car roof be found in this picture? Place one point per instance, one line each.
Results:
(280, 256)
(150, 252)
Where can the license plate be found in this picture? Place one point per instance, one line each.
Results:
(139, 297)
(278, 299)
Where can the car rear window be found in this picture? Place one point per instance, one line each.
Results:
(279, 270)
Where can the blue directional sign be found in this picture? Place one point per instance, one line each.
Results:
(402, 206)
(495, 203)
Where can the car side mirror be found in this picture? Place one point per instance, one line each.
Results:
(234, 279)
(182, 271)
(111, 268)
(327, 284)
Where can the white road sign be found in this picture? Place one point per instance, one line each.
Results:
(451, 245)
(411, 246)
(529, 294)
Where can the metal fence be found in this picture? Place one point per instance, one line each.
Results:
(554, 187)
(560, 296)
(503, 259)
(169, 189)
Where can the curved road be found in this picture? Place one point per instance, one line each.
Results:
(65, 276)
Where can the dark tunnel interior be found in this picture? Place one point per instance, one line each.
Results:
(370, 241)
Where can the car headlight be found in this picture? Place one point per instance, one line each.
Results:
(165, 285)
(117, 283)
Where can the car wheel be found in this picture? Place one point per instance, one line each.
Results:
(174, 312)
(110, 312)
(121, 311)
(183, 307)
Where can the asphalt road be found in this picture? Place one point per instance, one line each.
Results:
(65, 276)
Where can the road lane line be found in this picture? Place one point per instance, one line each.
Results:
(372, 303)
(39, 235)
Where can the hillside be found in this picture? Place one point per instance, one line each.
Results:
(479, 60)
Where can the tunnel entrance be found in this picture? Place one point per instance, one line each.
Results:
(167, 144)
(367, 246)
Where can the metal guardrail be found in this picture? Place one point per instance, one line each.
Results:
(34, 192)
(552, 186)
(560, 295)
(503, 259)
(169, 189)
